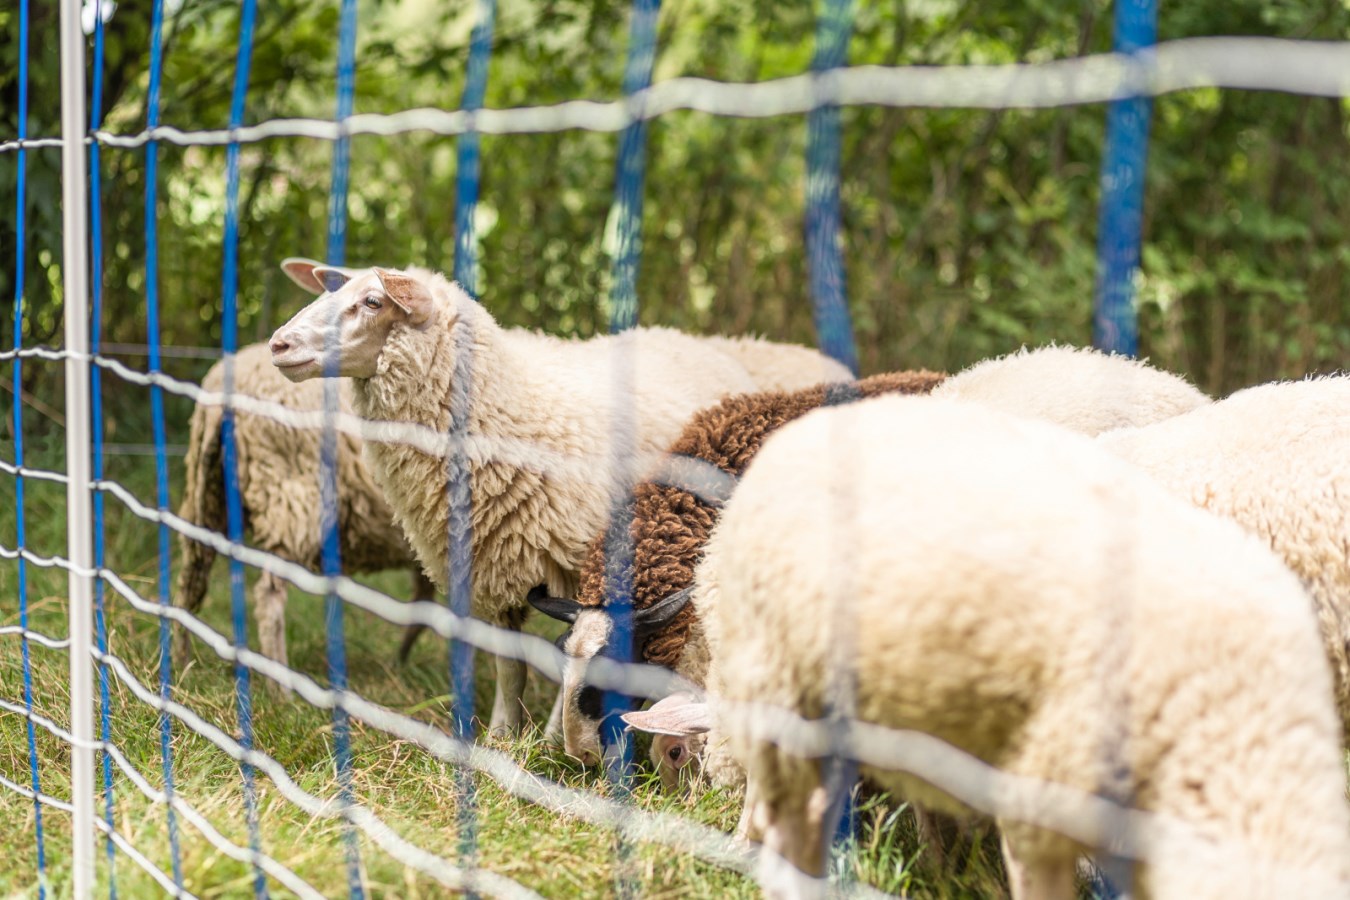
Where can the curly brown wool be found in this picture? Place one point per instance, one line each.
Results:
(669, 526)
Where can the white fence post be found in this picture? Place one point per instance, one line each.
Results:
(75, 275)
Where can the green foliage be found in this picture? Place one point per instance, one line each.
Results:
(966, 232)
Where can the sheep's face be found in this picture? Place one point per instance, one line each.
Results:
(344, 331)
(591, 634)
(583, 703)
(679, 725)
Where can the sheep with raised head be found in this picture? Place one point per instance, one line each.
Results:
(1083, 389)
(1275, 459)
(772, 365)
(278, 478)
(668, 525)
(544, 421)
(1026, 598)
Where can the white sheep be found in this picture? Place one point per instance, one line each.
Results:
(417, 347)
(1082, 389)
(1018, 593)
(772, 365)
(278, 478)
(1276, 460)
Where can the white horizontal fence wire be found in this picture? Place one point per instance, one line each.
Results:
(1244, 63)
(156, 796)
(1247, 63)
(36, 637)
(117, 838)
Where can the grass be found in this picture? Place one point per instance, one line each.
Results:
(556, 855)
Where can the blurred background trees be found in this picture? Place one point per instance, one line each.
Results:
(967, 233)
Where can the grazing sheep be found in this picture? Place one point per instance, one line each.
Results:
(278, 471)
(1276, 460)
(544, 420)
(668, 527)
(1082, 389)
(1024, 597)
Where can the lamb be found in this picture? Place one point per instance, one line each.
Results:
(1274, 459)
(543, 419)
(1082, 389)
(278, 471)
(669, 526)
(1047, 609)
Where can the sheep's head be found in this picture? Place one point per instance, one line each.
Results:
(591, 634)
(679, 725)
(345, 329)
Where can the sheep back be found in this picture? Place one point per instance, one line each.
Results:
(1081, 389)
(1272, 458)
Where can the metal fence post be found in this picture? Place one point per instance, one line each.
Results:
(79, 536)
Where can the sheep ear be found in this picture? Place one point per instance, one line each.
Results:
(553, 607)
(408, 293)
(314, 276)
(301, 271)
(678, 715)
(656, 616)
(332, 278)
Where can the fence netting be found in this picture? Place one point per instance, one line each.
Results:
(237, 761)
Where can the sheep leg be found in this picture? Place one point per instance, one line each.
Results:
(507, 706)
(791, 819)
(1038, 877)
(269, 605)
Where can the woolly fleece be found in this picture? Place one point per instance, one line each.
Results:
(669, 526)
(533, 400)
(278, 470)
(1048, 609)
(1276, 460)
(1082, 389)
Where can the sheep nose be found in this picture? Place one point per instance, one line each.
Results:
(588, 757)
(279, 344)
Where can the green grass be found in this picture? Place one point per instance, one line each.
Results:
(556, 855)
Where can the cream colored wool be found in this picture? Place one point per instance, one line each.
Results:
(278, 472)
(781, 367)
(1017, 592)
(552, 400)
(1276, 460)
(1082, 389)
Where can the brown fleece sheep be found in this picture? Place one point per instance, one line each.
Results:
(669, 527)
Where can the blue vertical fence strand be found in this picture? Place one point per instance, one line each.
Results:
(631, 169)
(829, 292)
(332, 559)
(21, 192)
(96, 435)
(1120, 226)
(824, 254)
(459, 481)
(234, 513)
(630, 173)
(157, 413)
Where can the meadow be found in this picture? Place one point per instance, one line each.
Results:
(556, 855)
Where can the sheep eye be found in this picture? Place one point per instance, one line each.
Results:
(372, 302)
(674, 754)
